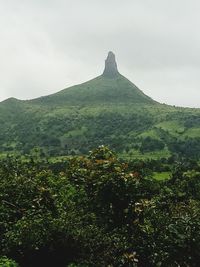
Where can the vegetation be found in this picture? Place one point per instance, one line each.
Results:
(5, 262)
(104, 111)
(61, 207)
(97, 210)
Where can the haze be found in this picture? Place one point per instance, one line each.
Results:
(49, 45)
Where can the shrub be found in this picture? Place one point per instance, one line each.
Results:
(5, 262)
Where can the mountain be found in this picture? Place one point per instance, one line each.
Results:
(107, 110)
(109, 88)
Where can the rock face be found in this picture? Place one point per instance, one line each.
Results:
(110, 70)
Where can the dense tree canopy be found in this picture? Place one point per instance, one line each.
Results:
(98, 211)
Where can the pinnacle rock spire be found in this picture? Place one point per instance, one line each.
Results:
(110, 70)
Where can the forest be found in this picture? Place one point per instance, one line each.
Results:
(99, 210)
(99, 174)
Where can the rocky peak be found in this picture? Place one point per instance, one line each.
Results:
(110, 66)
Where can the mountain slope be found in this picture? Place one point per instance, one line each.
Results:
(101, 90)
(107, 110)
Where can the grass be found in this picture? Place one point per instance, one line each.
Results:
(161, 176)
(174, 127)
(136, 154)
(150, 133)
(192, 132)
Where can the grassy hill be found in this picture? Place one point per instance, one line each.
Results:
(101, 90)
(107, 110)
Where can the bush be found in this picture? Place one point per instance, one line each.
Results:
(5, 262)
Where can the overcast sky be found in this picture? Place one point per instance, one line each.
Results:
(48, 45)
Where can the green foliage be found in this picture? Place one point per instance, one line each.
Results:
(96, 210)
(160, 176)
(5, 262)
(111, 112)
(150, 144)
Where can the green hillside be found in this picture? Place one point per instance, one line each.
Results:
(108, 110)
(101, 90)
